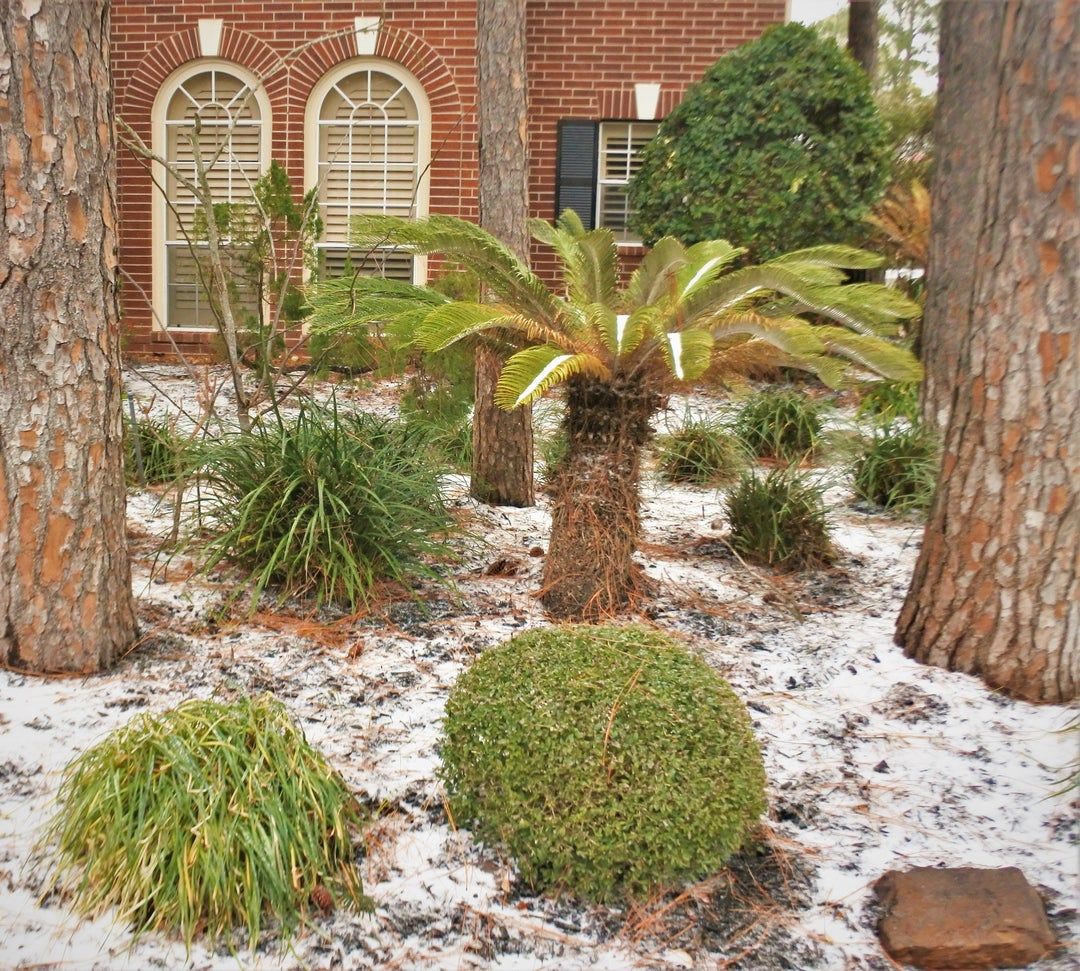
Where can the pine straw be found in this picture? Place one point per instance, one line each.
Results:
(751, 906)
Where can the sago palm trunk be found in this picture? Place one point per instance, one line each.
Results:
(589, 573)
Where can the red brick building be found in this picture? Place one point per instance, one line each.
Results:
(376, 103)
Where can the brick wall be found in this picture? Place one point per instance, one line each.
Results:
(584, 58)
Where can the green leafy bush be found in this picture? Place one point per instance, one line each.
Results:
(702, 452)
(779, 147)
(207, 818)
(779, 520)
(886, 401)
(609, 761)
(898, 469)
(438, 402)
(326, 504)
(779, 424)
(154, 451)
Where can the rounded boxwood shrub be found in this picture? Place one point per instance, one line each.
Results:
(608, 761)
(779, 146)
(206, 818)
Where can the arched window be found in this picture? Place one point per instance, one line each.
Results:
(368, 143)
(218, 109)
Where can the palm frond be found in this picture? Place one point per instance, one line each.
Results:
(497, 266)
(688, 352)
(446, 325)
(528, 374)
(788, 334)
(705, 261)
(354, 302)
(871, 354)
(621, 334)
(653, 278)
(834, 255)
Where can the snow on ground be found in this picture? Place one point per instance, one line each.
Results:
(874, 762)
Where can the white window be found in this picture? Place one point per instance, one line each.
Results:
(368, 136)
(618, 160)
(216, 108)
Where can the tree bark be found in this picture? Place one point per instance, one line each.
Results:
(589, 572)
(997, 586)
(968, 80)
(863, 33)
(65, 585)
(502, 465)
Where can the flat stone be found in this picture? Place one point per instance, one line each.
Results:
(962, 917)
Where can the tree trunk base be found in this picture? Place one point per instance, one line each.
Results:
(589, 574)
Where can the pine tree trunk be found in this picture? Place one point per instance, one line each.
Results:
(863, 33)
(589, 572)
(968, 66)
(502, 465)
(65, 586)
(997, 587)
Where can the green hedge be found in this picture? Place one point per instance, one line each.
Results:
(608, 761)
(780, 146)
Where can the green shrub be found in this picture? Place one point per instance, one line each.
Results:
(344, 352)
(438, 402)
(154, 451)
(609, 761)
(779, 520)
(206, 818)
(898, 469)
(779, 147)
(886, 401)
(326, 504)
(702, 452)
(779, 424)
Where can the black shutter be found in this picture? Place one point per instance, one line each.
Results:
(575, 170)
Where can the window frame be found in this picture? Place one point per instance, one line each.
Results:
(159, 264)
(654, 123)
(312, 141)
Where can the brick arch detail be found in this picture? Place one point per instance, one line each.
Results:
(394, 44)
(238, 46)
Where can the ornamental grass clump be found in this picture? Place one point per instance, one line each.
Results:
(326, 505)
(898, 469)
(887, 401)
(155, 453)
(205, 819)
(779, 520)
(609, 762)
(702, 452)
(782, 425)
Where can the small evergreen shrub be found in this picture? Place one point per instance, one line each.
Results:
(898, 469)
(344, 352)
(887, 401)
(779, 520)
(702, 452)
(784, 425)
(608, 761)
(325, 505)
(154, 451)
(207, 818)
(780, 146)
(438, 402)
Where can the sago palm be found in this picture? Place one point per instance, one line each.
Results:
(619, 351)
